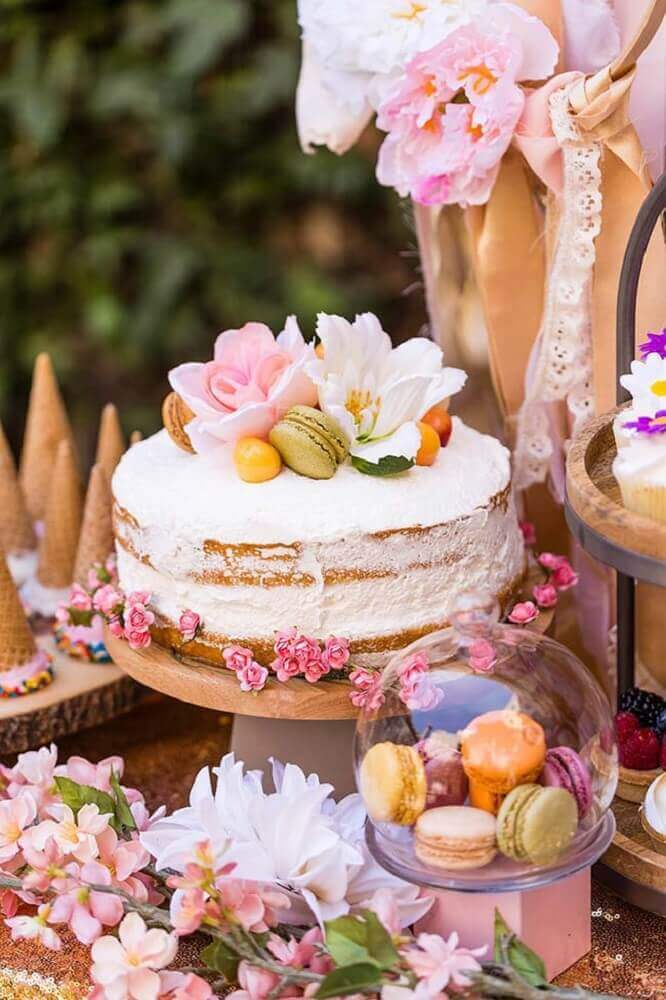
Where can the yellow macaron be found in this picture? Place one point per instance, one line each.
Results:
(393, 783)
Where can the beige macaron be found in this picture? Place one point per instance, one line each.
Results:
(455, 838)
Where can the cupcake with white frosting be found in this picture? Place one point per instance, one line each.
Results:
(653, 813)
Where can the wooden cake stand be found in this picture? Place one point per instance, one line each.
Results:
(311, 725)
(81, 695)
(636, 547)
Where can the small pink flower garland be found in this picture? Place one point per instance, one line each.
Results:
(297, 655)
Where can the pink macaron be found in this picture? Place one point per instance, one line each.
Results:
(565, 769)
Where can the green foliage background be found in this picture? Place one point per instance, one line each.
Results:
(152, 192)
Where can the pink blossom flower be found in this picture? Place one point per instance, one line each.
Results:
(523, 613)
(184, 986)
(421, 694)
(336, 652)
(97, 775)
(188, 625)
(551, 561)
(75, 835)
(62, 614)
(46, 871)
(187, 910)
(33, 774)
(545, 594)
(367, 690)
(563, 576)
(255, 984)
(129, 967)
(385, 905)
(482, 656)
(138, 639)
(252, 677)
(237, 657)
(79, 599)
(303, 954)
(35, 928)
(15, 815)
(117, 863)
(138, 618)
(9, 903)
(250, 384)
(107, 599)
(440, 963)
(287, 667)
(528, 532)
(249, 904)
(116, 626)
(85, 911)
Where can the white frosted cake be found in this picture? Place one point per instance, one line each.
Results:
(377, 559)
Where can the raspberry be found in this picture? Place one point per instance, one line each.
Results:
(626, 723)
(662, 759)
(645, 705)
(640, 751)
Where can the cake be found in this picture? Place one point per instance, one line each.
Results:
(377, 559)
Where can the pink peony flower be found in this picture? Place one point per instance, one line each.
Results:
(283, 641)
(35, 928)
(528, 532)
(287, 667)
(563, 576)
(138, 618)
(336, 652)
(482, 656)
(79, 599)
(440, 963)
(551, 561)
(305, 649)
(116, 626)
(252, 677)
(523, 613)
(315, 668)
(107, 599)
(15, 815)
(188, 625)
(139, 597)
(184, 986)
(545, 594)
(138, 639)
(237, 657)
(129, 966)
(420, 694)
(412, 668)
(367, 690)
(249, 385)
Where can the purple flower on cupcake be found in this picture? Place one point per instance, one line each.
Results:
(655, 344)
(648, 425)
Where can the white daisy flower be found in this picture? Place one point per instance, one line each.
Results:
(647, 385)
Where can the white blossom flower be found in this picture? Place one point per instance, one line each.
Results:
(375, 392)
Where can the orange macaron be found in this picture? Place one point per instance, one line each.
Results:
(500, 750)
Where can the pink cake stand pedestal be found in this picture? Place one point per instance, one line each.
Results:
(554, 920)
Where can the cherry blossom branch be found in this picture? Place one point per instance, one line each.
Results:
(502, 982)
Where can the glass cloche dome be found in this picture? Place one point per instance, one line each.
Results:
(491, 762)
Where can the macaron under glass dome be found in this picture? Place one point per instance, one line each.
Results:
(488, 762)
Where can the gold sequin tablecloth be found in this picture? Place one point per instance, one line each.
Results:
(165, 743)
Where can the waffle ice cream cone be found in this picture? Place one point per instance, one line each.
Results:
(16, 530)
(46, 426)
(17, 643)
(62, 523)
(110, 441)
(96, 540)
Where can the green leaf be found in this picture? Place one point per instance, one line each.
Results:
(122, 811)
(389, 465)
(522, 959)
(222, 958)
(359, 940)
(76, 796)
(350, 979)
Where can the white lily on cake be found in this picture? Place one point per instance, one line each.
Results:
(377, 393)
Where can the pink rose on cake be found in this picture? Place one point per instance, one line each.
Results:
(253, 379)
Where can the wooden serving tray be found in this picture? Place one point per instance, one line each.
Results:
(81, 695)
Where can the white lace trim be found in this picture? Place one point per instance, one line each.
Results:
(561, 362)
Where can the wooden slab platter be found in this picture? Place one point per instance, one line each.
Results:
(81, 695)
(631, 543)
(200, 683)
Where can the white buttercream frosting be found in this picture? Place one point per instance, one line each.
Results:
(319, 532)
(654, 805)
(42, 600)
(643, 457)
(22, 565)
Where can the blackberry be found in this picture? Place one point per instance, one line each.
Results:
(660, 725)
(645, 705)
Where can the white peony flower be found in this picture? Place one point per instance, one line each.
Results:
(375, 392)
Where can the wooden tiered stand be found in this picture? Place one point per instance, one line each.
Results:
(633, 545)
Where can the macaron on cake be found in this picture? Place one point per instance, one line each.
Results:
(456, 838)
(393, 783)
(565, 769)
(500, 750)
(309, 442)
(536, 824)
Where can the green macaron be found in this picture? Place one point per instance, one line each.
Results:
(309, 442)
(536, 824)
